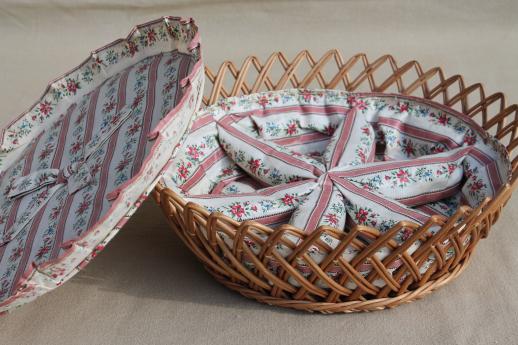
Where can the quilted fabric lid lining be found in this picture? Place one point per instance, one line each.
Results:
(71, 180)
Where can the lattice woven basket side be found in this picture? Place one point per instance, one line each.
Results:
(460, 234)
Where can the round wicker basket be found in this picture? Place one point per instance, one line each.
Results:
(201, 231)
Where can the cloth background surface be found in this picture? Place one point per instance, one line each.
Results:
(146, 287)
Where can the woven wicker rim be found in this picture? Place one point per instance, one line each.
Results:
(201, 230)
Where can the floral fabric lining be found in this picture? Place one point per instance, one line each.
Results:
(313, 158)
(84, 172)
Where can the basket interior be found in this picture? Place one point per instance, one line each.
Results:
(404, 158)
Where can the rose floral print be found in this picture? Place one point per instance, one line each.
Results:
(374, 160)
(108, 128)
(315, 158)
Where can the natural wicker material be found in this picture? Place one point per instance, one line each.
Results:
(201, 230)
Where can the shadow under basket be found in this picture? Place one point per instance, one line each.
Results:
(201, 230)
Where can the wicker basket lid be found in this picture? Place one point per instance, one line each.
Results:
(77, 165)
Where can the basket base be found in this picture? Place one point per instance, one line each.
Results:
(359, 305)
(349, 306)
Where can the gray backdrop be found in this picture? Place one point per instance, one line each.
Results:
(146, 288)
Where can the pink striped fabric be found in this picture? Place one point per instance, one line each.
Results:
(332, 158)
(60, 187)
(366, 159)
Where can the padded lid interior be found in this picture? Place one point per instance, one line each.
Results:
(78, 164)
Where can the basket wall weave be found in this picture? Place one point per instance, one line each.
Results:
(199, 229)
